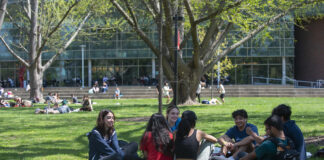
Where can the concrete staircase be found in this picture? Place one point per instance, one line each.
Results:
(129, 92)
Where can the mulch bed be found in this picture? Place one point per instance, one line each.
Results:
(318, 140)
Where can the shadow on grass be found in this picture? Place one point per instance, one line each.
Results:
(40, 149)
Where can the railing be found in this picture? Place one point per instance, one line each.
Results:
(296, 83)
(267, 81)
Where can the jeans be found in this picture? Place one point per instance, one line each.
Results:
(205, 150)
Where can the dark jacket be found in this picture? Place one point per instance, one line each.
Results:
(292, 131)
(99, 147)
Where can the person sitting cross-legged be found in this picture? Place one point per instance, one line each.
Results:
(191, 143)
(157, 141)
(269, 148)
(103, 141)
(237, 133)
(290, 129)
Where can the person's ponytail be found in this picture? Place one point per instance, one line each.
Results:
(188, 121)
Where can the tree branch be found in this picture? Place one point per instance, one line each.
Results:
(219, 11)
(138, 30)
(56, 27)
(27, 9)
(168, 24)
(131, 12)
(3, 8)
(194, 35)
(20, 46)
(210, 50)
(212, 32)
(153, 12)
(185, 39)
(14, 23)
(256, 31)
(121, 10)
(67, 44)
(13, 53)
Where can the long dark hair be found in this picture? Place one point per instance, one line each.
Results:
(160, 132)
(188, 121)
(101, 123)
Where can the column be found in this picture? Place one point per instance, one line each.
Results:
(153, 67)
(82, 57)
(89, 73)
(283, 82)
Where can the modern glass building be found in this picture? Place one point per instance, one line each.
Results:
(125, 57)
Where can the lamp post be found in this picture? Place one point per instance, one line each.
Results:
(176, 18)
(82, 51)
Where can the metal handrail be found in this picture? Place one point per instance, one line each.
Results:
(296, 83)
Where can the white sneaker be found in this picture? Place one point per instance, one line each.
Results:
(222, 157)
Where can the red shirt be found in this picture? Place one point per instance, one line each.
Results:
(149, 146)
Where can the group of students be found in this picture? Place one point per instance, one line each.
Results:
(104, 89)
(172, 137)
(64, 108)
(17, 102)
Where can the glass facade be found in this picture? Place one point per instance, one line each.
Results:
(127, 58)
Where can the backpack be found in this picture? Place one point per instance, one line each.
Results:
(285, 152)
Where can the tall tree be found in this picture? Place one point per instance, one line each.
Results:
(44, 26)
(210, 24)
(3, 8)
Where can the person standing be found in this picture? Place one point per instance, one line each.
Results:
(198, 91)
(221, 90)
(166, 91)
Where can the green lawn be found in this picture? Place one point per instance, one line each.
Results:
(24, 135)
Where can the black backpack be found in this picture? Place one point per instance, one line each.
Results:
(285, 152)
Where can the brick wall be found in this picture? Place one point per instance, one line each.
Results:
(309, 51)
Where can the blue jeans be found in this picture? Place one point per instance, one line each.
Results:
(241, 155)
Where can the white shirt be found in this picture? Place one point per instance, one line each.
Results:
(222, 89)
(199, 88)
(166, 89)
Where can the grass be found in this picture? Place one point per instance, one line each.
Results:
(24, 135)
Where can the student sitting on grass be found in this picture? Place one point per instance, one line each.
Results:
(268, 149)
(22, 103)
(74, 99)
(236, 134)
(4, 103)
(103, 141)
(157, 140)
(172, 117)
(86, 104)
(290, 129)
(189, 142)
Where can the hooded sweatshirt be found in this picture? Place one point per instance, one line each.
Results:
(292, 131)
(99, 147)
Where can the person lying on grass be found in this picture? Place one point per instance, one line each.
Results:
(103, 141)
(236, 134)
(56, 109)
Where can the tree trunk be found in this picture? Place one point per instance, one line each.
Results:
(36, 82)
(187, 86)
